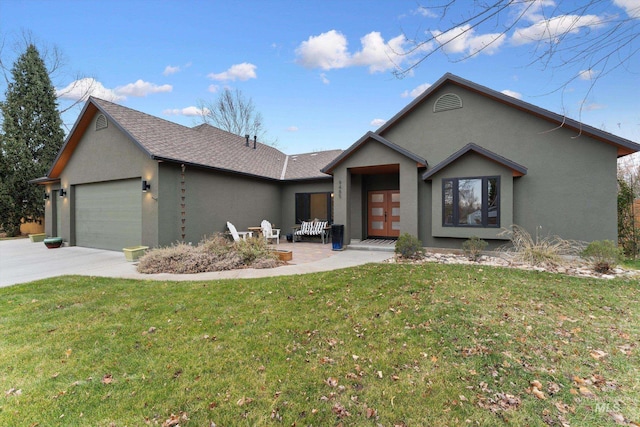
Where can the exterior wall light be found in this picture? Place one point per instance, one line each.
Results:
(46, 196)
(145, 186)
(62, 193)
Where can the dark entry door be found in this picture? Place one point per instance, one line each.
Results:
(383, 217)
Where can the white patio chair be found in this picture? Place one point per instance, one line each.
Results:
(237, 234)
(270, 233)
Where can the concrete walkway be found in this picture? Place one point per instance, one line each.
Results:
(22, 261)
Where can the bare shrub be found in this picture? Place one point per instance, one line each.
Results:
(547, 251)
(215, 253)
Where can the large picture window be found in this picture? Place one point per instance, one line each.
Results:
(471, 202)
(310, 206)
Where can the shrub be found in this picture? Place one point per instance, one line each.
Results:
(214, 253)
(473, 247)
(408, 246)
(604, 255)
(540, 251)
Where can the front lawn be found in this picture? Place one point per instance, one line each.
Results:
(407, 345)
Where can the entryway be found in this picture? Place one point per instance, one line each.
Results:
(383, 213)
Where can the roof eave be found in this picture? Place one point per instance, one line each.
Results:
(517, 169)
(359, 143)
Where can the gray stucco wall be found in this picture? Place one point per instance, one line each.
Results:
(104, 155)
(350, 189)
(211, 199)
(570, 187)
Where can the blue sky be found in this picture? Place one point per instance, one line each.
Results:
(320, 72)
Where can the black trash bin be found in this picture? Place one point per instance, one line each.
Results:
(337, 236)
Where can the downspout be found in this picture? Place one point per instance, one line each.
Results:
(183, 205)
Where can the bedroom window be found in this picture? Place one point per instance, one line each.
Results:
(471, 202)
(310, 206)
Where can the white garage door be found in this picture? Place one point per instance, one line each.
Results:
(109, 214)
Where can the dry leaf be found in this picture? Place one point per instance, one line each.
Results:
(68, 353)
(598, 354)
(107, 379)
(537, 393)
(371, 413)
(332, 382)
(586, 392)
(244, 401)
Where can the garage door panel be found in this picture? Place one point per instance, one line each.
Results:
(109, 214)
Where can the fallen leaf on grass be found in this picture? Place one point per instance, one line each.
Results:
(107, 379)
(584, 391)
(340, 411)
(174, 420)
(244, 401)
(371, 413)
(332, 382)
(13, 392)
(598, 354)
(563, 408)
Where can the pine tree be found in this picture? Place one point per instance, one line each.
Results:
(31, 138)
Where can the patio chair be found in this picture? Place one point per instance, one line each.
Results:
(270, 233)
(237, 234)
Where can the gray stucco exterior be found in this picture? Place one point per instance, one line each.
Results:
(553, 174)
(566, 185)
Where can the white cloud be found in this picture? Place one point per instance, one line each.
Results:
(378, 122)
(632, 7)
(463, 40)
(530, 10)
(324, 78)
(415, 92)
(141, 88)
(326, 51)
(292, 129)
(425, 11)
(242, 72)
(213, 88)
(552, 29)
(512, 93)
(330, 51)
(587, 74)
(594, 106)
(83, 88)
(378, 55)
(168, 70)
(188, 111)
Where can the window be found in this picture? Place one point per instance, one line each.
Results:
(471, 202)
(314, 205)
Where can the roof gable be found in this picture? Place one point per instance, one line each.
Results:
(204, 145)
(623, 145)
(362, 141)
(518, 170)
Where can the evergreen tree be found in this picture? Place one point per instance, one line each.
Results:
(31, 137)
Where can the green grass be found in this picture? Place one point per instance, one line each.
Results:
(389, 344)
(632, 264)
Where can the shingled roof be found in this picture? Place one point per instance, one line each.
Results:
(203, 145)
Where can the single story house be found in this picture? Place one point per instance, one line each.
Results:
(460, 160)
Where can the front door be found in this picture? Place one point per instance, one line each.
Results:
(383, 219)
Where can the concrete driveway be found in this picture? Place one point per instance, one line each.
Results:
(22, 261)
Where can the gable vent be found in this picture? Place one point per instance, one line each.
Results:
(101, 122)
(448, 101)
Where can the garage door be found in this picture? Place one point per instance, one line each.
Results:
(109, 214)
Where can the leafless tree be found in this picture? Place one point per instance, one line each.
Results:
(235, 113)
(585, 36)
(232, 112)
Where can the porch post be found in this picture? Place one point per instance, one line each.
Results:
(408, 197)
